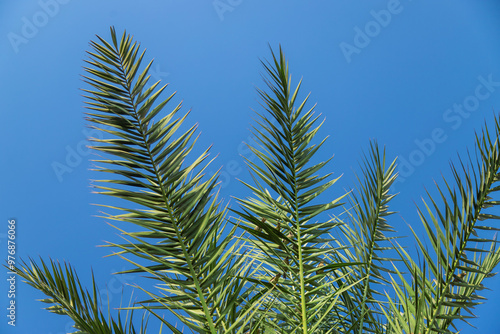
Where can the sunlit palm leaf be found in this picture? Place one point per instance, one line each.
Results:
(463, 247)
(281, 217)
(183, 242)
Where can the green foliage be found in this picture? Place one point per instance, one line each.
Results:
(288, 261)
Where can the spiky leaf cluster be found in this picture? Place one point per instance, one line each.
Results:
(298, 266)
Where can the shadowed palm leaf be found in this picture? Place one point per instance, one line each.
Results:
(365, 239)
(67, 296)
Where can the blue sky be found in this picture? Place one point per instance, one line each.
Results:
(418, 76)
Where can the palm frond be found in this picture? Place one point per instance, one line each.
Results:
(67, 297)
(281, 218)
(183, 241)
(463, 250)
(365, 239)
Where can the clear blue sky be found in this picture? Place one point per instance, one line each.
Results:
(419, 80)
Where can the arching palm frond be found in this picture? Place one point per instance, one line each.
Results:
(183, 245)
(445, 286)
(67, 297)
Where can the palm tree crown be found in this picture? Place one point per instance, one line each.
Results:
(282, 261)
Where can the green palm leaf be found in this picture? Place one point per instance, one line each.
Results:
(66, 295)
(365, 239)
(182, 244)
(463, 247)
(292, 270)
(281, 217)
